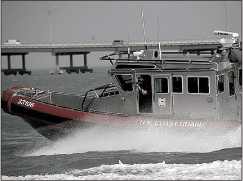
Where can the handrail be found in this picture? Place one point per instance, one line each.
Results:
(104, 87)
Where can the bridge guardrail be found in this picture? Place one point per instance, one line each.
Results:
(203, 41)
(89, 47)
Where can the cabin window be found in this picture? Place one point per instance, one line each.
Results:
(231, 83)
(198, 85)
(177, 84)
(220, 83)
(240, 77)
(125, 82)
(161, 85)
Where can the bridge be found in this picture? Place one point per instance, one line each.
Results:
(192, 46)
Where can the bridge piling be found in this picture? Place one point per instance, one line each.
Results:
(9, 62)
(71, 60)
(57, 62)
(23, 61)
(10, 70)
(72, 68)
(85, 60)
(57, 68)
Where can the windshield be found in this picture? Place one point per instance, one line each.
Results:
(125, 82)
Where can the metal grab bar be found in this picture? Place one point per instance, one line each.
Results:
(104, 87)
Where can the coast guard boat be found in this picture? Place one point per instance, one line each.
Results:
(191, 90)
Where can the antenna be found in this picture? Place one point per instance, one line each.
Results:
(158, 39)
(144, 33)
(128, 48)
(159, 51)
(158, 27)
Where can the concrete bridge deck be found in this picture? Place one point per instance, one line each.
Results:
(89, 47)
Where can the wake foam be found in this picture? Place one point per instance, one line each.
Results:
(98, 139)
(217, 170)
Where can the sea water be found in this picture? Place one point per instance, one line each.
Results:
(95, 154)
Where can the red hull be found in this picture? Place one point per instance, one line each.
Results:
(40, 115)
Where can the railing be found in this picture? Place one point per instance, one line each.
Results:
(151, 43)
(108, 46)
(103, 88)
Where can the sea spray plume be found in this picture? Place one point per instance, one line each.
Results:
(100, 139)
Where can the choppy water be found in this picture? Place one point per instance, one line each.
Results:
(96, 154)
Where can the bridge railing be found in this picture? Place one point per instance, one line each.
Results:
(66, 45)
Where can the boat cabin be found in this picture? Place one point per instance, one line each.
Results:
(177, 86)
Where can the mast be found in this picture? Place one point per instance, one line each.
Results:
(159, 40)
(128, 49)
(144, 32)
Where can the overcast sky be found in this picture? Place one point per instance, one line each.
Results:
(104, 21)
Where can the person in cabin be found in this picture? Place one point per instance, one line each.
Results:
(145, 93)
(142, 91)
